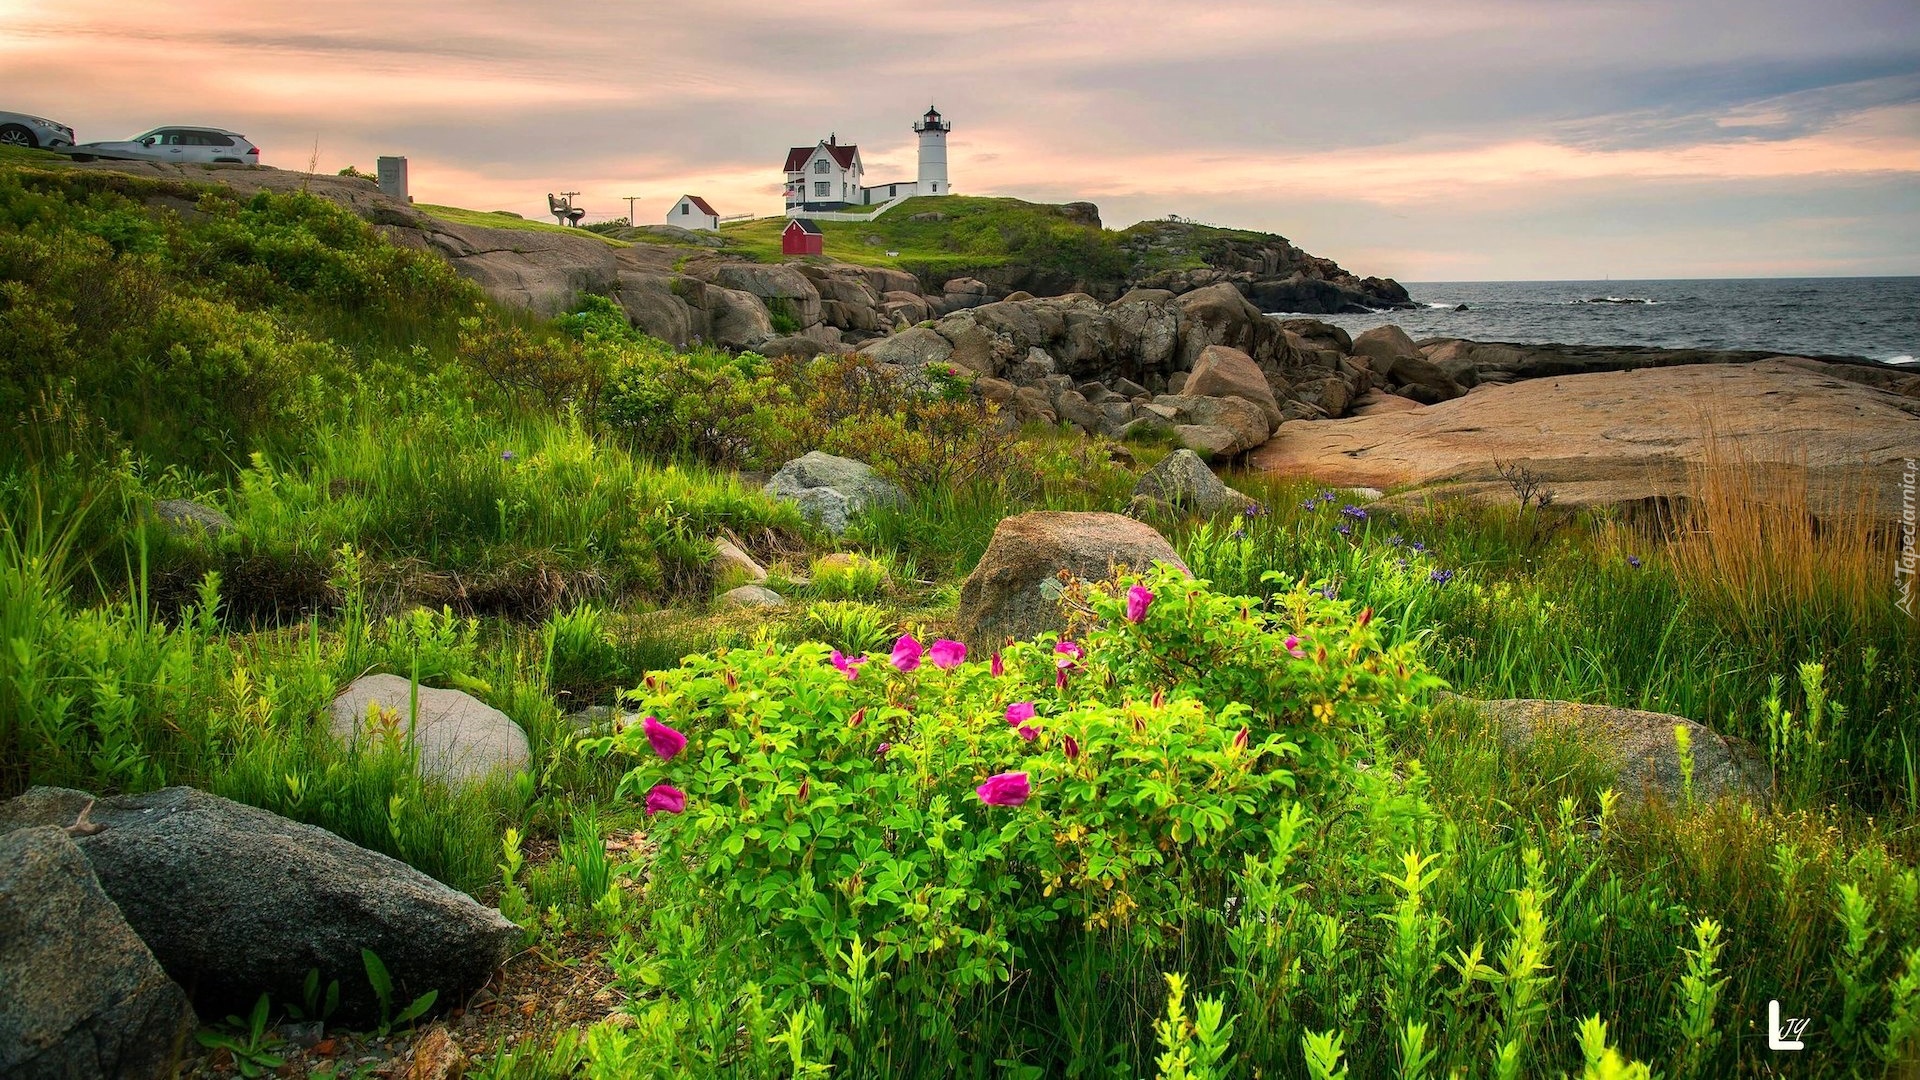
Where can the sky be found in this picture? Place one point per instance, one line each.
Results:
(1467, 140)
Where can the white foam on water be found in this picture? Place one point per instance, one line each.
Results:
(1900, 360)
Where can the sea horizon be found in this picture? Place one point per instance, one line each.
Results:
(1872, 318)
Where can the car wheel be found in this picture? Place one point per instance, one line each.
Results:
(15, 135)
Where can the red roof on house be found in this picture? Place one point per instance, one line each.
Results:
(842, 153)
(700, 204)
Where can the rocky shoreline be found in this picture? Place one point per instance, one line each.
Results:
(1183, 346)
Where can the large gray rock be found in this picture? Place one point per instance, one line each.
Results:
(1642, 746)
(777, 286)
(460, 738)
(1006, 596)
(1241, 419)
(831, 491)
(1224, 371)
(1183, 481)
(80, 994)
(1211, 441)
(1423, 380)
(543, 271)
(1385, 346)
(734, 318)
(236, 902)
(654, 307)
(913, 347)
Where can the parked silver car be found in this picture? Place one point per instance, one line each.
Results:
(33, 132)
(198, 145)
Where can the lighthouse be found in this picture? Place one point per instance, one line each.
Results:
(933, 152)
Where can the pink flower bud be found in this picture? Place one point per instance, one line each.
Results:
(1071, 748)
(997, 667)
(1139, 598)
(665, 741)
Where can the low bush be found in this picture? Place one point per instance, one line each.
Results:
(956, 820)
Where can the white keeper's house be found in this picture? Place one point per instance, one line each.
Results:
(692, 212)
(827, 176)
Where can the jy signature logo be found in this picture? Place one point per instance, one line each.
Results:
(1785, 1034)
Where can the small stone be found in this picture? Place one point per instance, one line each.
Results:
(436, 1056)
(752, 596)
(460, 738)
(188, 517)
(731, 563)
(1183, 480)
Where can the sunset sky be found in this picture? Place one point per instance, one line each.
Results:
(1478, 139)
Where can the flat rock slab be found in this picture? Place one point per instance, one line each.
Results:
(460, 738)
(1617, 438)
(235, 901)
(81, 996)
(1643, 747)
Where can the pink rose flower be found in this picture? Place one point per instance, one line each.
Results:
(848, 665)
(1005, 789)
(947, 654)
(1019, 713)
(665, 799)
(907, 653)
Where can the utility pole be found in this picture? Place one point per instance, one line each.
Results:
(630, 201)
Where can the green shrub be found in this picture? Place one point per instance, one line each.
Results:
(825, 813)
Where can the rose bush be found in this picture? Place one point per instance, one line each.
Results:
(965, 815)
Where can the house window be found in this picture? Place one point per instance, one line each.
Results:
(892, 190)
(686, 208)
(822, 189)
(821, 166)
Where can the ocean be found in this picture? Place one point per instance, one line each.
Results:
(1878, 318)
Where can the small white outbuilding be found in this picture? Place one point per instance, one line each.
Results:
(692, 212)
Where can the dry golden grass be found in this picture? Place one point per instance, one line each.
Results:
(1752, 539)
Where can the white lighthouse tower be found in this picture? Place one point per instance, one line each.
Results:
(933, 153)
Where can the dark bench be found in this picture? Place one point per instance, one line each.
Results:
(563, 211)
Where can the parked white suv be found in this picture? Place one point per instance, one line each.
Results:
(33, 132)
(198, 145)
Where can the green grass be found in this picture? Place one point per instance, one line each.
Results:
(460, 216)
(975, 233)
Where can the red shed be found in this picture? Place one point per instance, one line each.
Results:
(802, 237)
